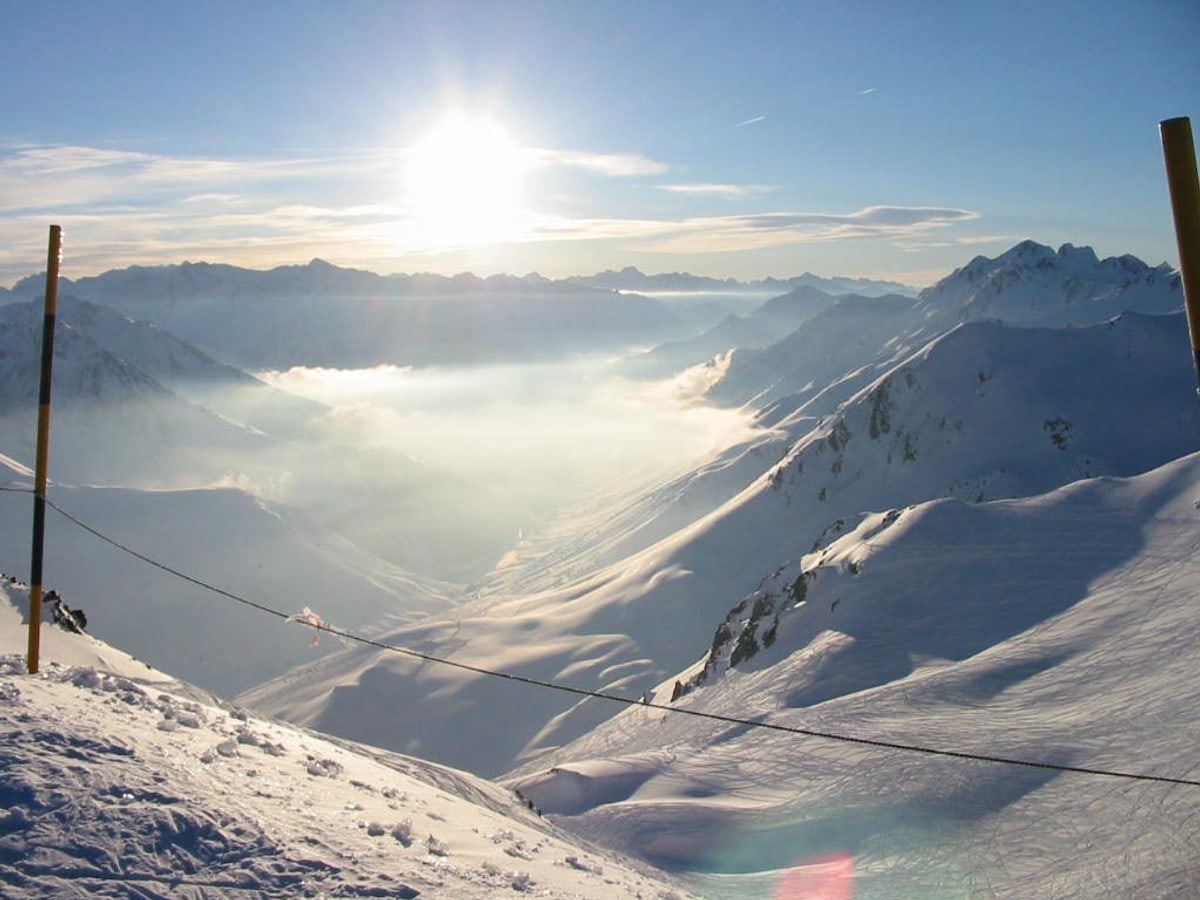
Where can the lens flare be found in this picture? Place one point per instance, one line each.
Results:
(828, 877)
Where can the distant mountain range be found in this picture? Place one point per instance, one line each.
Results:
(187, 279)
(632, 279)
(322, 315)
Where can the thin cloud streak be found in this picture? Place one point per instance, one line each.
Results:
(722, 233)
(727, 190)
(755, 232)
(42, 178)
(967, 240)
(617, 165)
(753, 121)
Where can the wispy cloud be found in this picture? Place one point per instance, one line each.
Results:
(893, 223)
(63, 159)
(73, 177)
(617, 165)
(927, 242)
(724, 190)
(867, 91)
(752, 121)
(716, 234)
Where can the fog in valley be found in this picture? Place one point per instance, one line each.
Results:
(445, 469)
(439, 467)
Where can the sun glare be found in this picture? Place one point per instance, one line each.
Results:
(463, 184)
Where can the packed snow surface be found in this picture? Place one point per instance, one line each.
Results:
(118, 781)
(1060, 629)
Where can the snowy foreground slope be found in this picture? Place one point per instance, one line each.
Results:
(1061, 628)
(117, 781)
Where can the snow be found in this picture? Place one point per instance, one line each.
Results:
(1058, 628)
(121, 782)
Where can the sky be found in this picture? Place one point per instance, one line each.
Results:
(893, 140)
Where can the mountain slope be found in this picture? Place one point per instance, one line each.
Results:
(121, 782)
(831, 346)
(840, 350)
(763, 326)
(1056, 629)
(113, 422)
(189, 371)
(266, 553)
(985, 412)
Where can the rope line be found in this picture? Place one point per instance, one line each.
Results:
(617, 698)
(163, 566)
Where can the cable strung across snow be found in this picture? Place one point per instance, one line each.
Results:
(613, 698)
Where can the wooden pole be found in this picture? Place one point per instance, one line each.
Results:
(1180, 154)
(53, 259)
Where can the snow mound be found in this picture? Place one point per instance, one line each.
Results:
(121, 782)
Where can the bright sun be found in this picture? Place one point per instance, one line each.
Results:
(463, 184)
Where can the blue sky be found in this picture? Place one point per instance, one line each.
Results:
(889, 139)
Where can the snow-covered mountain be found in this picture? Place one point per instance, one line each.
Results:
(113, 422)
(831, 348)
(119, 781)
(763, 326)
(966, 523)
(188, 371)
(631, 278)
(985, 412)
(1033, 284)
(1058, 629)
(841, 349)
(266, 553)
(322, 315)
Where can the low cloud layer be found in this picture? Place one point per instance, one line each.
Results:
(546, 429)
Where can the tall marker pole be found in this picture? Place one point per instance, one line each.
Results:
(54, 257)
(1180, 153)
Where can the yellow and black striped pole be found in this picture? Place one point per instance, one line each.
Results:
(1179, 151)
(53, 259)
